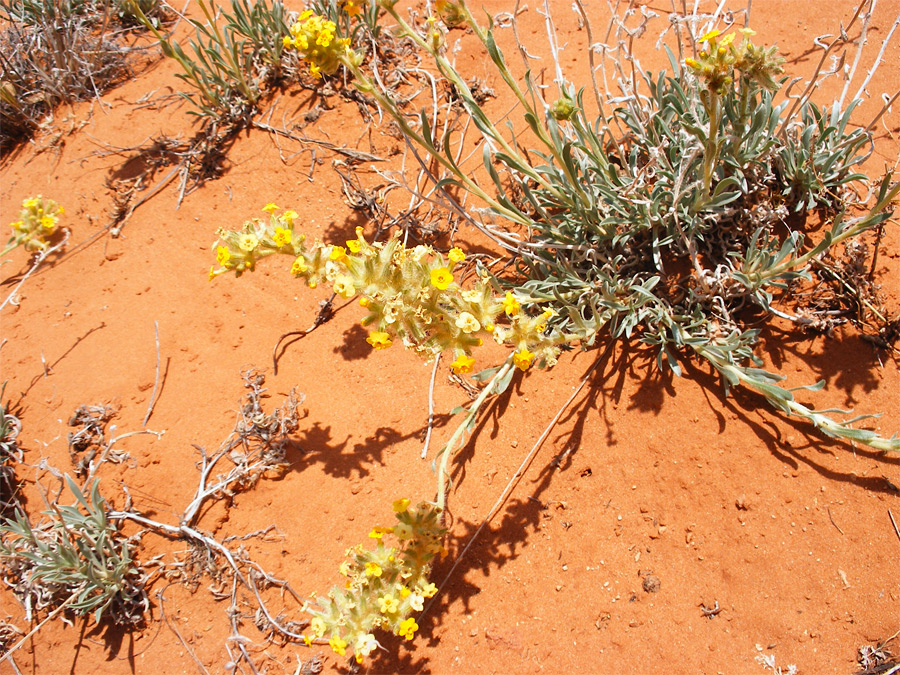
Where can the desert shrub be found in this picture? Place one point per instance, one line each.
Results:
(76, 558)
(663, 212)
(666, 231)
(52, 52)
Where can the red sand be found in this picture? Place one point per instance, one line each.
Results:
(720, 499)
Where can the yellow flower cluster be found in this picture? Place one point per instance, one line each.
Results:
(37, 222)
(384, 586)
(239, 250)
(719, 58)
(315, 37)
(411, 294)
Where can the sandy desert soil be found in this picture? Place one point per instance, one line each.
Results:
(653, 498)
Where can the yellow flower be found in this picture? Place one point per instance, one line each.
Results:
(467, 323)
(318, 626)
(223, 255)
(353, 245)
(692, 63)
(345, 568)
(351, 8)
(373, 569)
(48, 222)
(290, 216)
(401, 505)
(270, 207)
(379, 340)
(408, 628)
(456, 255)
(325, 38)
(542, 326)
(306, 639)
(299, 265)
(419, 252)
(378, 532)
(365, 645)
(388, 604)
(315, 71)
(441, 278)
(404, 592)
(338, 645)
(710, 35)
(428, 590)
(287, 42)
(522, 359)
(248, 242)
(463, 364)
(510, 304)
(727, 40)
(337, 253)
(282, 237)
(344, 287)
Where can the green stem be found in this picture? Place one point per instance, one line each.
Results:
(782, 399)
(450, 448)
(388, 105)
(167, 49)
(514, 87)
(855, 230)
(711, 151)
(447, 70)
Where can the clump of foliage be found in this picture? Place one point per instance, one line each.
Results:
(667, 231)
(670, 229)
(56, 51)
(76, 558)
(10, 454)
(230, 60)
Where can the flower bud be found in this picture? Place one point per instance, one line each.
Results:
(563, 108)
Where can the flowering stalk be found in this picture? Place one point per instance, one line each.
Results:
(411, 294)
(496, 385)
(385, 587)
(37, 223)
(338, 51)
(715, 68)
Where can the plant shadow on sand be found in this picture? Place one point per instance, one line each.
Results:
(500, 542)
(315, 445)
